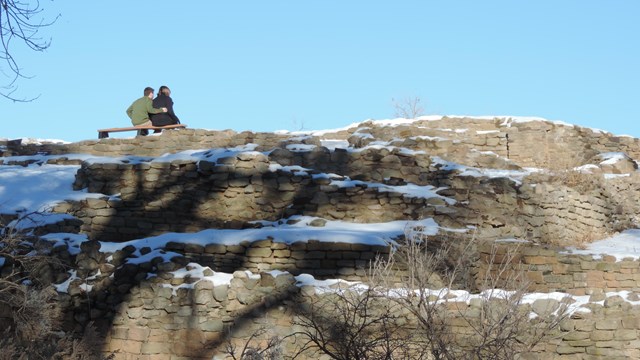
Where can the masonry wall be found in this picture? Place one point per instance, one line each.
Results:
(463, 140)
(193, 324)
(145, 319)
(232, 192)
(548, 213)
(170, 141)
(176, 317)
(549, 269)
(527, 144)
(320, 259)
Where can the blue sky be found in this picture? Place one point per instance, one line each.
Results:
(271, 65)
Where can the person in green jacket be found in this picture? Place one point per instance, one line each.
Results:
(140, 109)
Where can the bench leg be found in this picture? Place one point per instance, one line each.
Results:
(103, 135)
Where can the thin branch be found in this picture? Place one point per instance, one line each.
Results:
(18, 22)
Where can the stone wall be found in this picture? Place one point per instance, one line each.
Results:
(157, 197)
(544, 212)
(149, 312)
(231, 192)
(462, 140)
(549, 269)
(170, 141)
(173, 316)
(198, 323)
(557, 145)
(320, 259)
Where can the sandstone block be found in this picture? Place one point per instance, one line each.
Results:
(154, 347)
(601, 335)
(625, 335)
(262, 252)
(131, 347)
(212, 325)
(138, 334)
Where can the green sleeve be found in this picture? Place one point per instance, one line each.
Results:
(130, 111)
(151, 109)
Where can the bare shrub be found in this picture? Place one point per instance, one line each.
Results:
(574, 178)
(408, 108)
(354, 323)
(494, 325)
(565, 169)
(22, 289)
(504, 326)
(85, 347)
(429, 311)
(29, 311)
(254, 350)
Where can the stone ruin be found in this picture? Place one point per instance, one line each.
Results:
(479, 172)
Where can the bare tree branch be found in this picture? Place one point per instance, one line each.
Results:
(20, 21)
(495, 325)
(408, 108)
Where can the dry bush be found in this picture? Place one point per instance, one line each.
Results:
(354, 323)
(87, 346)
(419, 316)
(504, 327)
(28, 295)
(57, 346)
(565, 170)
(584, 240)
(29, 311)
(408, 108)
(253, 350)
(580, 181)
(495, 325)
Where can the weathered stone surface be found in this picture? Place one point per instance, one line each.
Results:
(159, 313)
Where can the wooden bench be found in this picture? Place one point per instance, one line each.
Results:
(104, 133)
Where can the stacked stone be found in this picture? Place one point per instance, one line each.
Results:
(450, 138)
(236, 190)
(191, 322)
(549, 269)
(230, 192)
(321, 259)
(544, 212)
(371, 164)
(609, 331)
(170, 141)
(163, 316)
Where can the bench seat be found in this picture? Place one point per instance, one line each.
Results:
(104, 133)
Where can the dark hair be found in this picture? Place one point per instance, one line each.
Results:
(148, 90)
(161, 90)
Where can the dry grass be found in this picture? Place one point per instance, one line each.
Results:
(30, 313)
(565, 171)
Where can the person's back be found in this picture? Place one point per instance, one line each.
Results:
(164, 100)
(140, 109)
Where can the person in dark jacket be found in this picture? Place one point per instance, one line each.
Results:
(163, 100)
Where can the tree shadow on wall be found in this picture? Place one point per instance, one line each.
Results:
(184, 197)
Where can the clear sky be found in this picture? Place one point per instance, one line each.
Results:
(285, 64)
